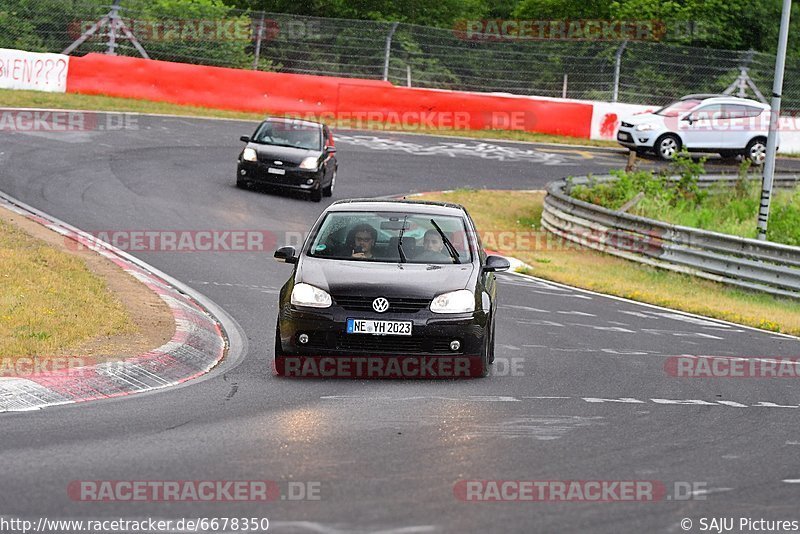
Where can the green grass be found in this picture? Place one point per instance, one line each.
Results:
(509, 222)
(50, 303)
(721, 208)
(38, 99)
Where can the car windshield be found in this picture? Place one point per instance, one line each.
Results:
(676, 108)
(374, 236)
(291, 134)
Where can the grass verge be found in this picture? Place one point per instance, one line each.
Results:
(50, 303)
(722, 208)
(38, 99)
(509, 222)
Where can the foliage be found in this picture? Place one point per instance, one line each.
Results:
(731, 210)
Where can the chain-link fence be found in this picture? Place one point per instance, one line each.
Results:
(405, 54)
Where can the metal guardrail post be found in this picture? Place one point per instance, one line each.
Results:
(388, 51)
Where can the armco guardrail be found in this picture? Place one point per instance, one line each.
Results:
(770, 267)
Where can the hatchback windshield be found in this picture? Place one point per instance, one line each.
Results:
(676, 108)
(291, 134)
(392, 237)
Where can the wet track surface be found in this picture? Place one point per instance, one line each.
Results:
(387, 454)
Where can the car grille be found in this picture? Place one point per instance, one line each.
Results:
(626, 124)
(392, 344)
(396, 305)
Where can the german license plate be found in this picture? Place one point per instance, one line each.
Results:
(273, 170)
(379, 328)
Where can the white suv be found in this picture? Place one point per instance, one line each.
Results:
(727, 125)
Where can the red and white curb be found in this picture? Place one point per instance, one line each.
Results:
(198, 345)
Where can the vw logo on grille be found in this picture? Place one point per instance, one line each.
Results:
(380, 304)
(276, 162)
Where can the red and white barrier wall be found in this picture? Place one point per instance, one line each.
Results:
(297, 94)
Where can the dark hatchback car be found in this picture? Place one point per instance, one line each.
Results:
(292, 154)
(380, 280)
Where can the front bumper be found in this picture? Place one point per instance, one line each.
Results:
(293, 178)
(630, 138)
(431, 333)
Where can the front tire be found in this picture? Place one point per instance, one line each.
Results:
(316, 194)
(667, 146)
(756, 151)
(328, 191)
(481, 369)
(280, 358)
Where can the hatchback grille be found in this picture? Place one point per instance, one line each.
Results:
(396, 305)
(367, 343)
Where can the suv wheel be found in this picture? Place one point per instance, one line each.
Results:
(667, 146)
(756, 150)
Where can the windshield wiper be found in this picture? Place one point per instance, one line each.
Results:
(403, 258)
(450, 248)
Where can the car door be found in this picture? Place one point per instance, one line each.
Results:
(746, 122)
(704, 128)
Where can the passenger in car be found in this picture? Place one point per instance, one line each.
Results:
(433, 247)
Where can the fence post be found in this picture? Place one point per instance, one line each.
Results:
(257, 52)
(388, 51)
(564, 87)
(408, 75)
(113, 19)
(617, 63)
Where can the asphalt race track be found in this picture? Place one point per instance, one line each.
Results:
(387, 454)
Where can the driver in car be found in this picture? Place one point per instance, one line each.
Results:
(361, 241)
(433, 247)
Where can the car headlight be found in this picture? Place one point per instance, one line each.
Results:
(646, 127)
(309, 163)
(308, 295)
(249, 155)
(461, 301)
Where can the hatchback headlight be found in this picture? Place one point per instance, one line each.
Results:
(646, 127)
(309, 163)
(249, 155)
(308, 295)
(461, 301)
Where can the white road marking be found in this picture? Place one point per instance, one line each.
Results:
(592, 400)
(791, 480)
(577, 313)
(320, 528)
(606, 328)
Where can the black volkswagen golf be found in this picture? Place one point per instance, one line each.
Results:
(388, 289)
(289, 153)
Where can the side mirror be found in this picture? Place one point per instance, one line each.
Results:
(245, 139)
(286, 255)
(495, 264)
(688, 118)
(330, 149)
